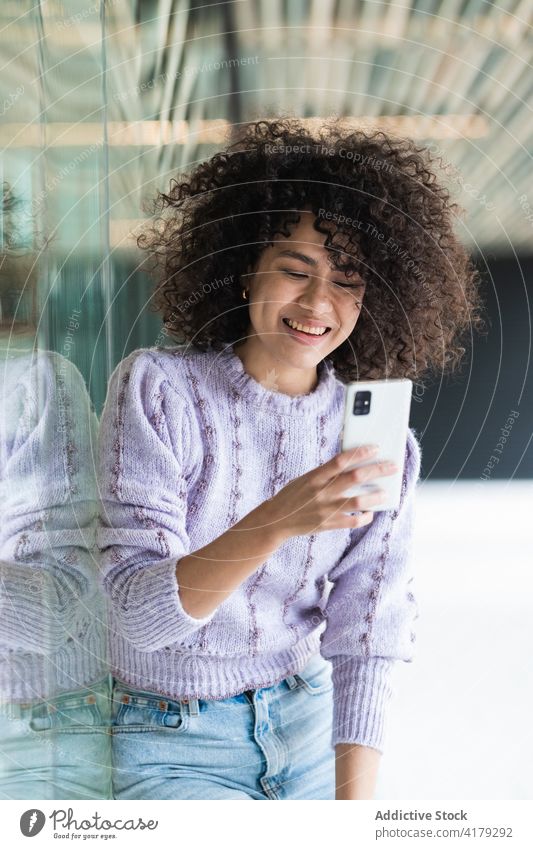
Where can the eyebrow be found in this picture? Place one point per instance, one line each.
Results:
(302, 257)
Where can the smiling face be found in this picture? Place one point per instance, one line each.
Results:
(301, 307)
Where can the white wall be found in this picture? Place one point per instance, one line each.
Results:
(462, 722)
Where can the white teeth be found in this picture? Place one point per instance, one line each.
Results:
(314, 331)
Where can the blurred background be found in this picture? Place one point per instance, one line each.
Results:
(102, 103)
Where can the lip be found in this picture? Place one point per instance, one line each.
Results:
(305, 338)
(310, 322)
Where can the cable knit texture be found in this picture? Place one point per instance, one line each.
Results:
(189, 444)
(52, 613)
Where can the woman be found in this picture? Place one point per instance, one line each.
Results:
(256, 612)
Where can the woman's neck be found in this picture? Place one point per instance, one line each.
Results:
(267, 370)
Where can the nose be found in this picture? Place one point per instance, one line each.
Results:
(316, 296)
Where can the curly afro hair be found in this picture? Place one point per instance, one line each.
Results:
(385, 215)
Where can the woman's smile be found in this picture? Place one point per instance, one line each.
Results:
(306, 332)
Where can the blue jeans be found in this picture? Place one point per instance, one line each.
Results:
(270, 743)
(57, 748)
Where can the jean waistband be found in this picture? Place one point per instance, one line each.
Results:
(90, 694)
(192, 703)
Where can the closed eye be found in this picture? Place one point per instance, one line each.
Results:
(293, 273)
(301, 275)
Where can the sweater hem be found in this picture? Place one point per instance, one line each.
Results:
(35, 680)
(214, 678)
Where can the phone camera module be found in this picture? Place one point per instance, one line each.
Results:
(361, 404)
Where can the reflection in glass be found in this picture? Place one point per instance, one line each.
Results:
(53, 682)
(54, 741)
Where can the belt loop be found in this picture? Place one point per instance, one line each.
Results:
(194, 708)
(291, 681)
(14, 711)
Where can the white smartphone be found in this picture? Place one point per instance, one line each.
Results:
(377, 413)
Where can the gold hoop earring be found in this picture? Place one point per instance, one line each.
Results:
(245, 294)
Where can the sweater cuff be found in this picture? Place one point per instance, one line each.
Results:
(151, 611)
(362, 690)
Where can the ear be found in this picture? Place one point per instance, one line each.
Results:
(250, 271)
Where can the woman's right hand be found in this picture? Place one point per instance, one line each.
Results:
(315, 501)
(309, 503)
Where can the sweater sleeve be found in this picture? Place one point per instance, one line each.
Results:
(370, 614)
(142, 528)
(48, 504)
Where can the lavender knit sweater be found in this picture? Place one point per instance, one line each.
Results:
(52, 616)
(189, 444)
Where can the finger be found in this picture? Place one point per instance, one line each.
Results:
(371, 471)
(370, 449)
(340, 509)
(340, 462)
(345, 520)
(363, 519)
(362, 502)
(352, 477)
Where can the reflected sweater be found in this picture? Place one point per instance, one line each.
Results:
(190, 443)
(52, 636)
